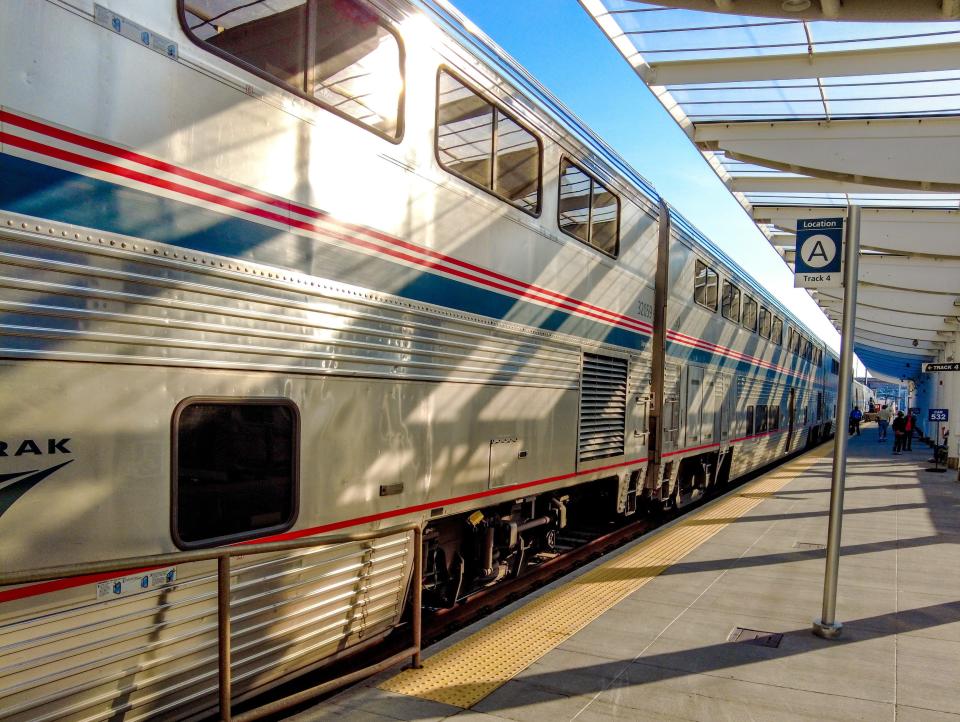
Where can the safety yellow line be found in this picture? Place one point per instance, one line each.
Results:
(466, 672)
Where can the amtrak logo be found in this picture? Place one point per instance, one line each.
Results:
(16, 484)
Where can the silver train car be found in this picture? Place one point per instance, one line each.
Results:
(277, 270)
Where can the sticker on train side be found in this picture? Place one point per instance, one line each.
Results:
(135, 583)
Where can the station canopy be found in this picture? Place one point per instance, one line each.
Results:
(805, 108)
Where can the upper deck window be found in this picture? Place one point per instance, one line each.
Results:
(776, 331)
(705, 281)
(730, 302)
(749, 318)
(336, 52)
(588, 211)
(765, 322)
(480, 142)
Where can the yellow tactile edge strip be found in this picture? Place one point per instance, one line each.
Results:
(466, 672)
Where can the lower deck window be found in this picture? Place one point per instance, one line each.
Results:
(235, 470)
(761, 424)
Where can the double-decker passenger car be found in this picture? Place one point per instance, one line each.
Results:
(276, 269)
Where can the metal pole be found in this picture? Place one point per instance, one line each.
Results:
(223, 636)
(936, 450)
(417, 601)
(827, 626)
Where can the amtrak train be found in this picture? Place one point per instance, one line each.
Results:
(279, 269)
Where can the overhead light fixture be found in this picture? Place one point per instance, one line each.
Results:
(795, 6)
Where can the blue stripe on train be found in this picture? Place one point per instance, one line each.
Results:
(43, 191)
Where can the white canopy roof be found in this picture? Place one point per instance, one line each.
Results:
(802, 116)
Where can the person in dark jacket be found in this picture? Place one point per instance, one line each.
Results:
(899, 433)
(855, 417)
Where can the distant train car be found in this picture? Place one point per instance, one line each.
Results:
(275, 270)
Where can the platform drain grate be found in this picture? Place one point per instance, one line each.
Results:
(808, 545)
(755, 636)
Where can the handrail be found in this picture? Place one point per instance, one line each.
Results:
(223, 555)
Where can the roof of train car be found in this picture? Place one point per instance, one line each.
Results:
(463, 31)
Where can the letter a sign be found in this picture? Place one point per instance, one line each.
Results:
(819, 253)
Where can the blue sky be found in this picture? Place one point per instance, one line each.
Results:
(562, 47)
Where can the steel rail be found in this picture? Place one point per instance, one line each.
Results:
(223, 556)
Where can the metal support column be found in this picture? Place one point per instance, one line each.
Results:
(827, 626)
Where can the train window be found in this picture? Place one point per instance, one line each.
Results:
(517, 165)
(588, 211)
(484, 145)
(730, 302)
(765, 322)
(574, 201)
(604, 219)
(234, 470)
(749, 317)
(336, 52)
(761, 419)
(705, 285)
(749, 416)
(776, 331)
(774, 418)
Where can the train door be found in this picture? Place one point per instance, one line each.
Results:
(791, 414)
(722, 393)
(711, 399)
(694, 405)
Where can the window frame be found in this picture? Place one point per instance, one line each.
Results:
(383, 21)
(497, 109)
(593, 180)
(174, 469)
(716, 276)
(736, 288)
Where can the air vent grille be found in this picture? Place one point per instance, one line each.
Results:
(603, 407)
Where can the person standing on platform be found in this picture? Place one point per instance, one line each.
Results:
(909, 424)
(899, 433)
(883, 421)
(855, 416)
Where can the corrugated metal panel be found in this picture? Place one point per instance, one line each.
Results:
(603, 407)
(85, 303)
(149, 654)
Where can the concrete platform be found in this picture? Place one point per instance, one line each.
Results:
(664, 651)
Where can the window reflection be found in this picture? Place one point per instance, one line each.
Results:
(603, 220)
(588, 211)
(355, 63)
(518, 164)
(507, 164)
(574, 201)
(749, 318)
(730, 304)
(464, 131)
